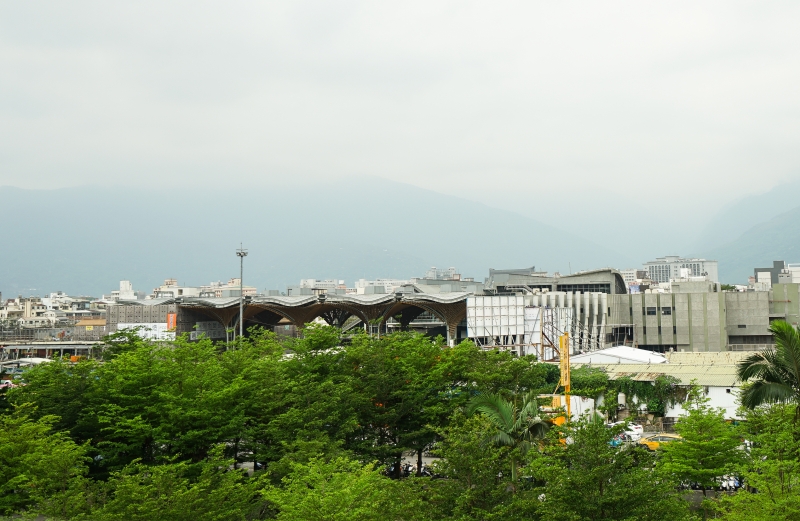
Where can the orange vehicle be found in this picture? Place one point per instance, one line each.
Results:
(655, 441)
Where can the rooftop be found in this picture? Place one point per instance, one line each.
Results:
(625, 354)
(709, 368)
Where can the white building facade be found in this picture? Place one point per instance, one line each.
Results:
(532, 324)
(665, 268)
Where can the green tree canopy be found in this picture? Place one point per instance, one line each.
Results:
(710, 449)
(338, 490)
(39, 468)
(518, 423)
(774, 373)
(586, 478)
(771, 471)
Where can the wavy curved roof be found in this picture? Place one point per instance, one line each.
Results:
(305, 300)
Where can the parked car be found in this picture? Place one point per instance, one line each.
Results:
(655, 441)
(632, 431)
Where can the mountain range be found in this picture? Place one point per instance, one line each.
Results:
(84, 240)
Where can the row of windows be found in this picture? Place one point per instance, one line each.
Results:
(652, 311)
(674, 330)
(585, 288)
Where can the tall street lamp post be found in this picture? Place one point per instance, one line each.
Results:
(241, 253)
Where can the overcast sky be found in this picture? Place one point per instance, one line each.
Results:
(481, 99)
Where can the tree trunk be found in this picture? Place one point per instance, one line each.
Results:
(419, 462)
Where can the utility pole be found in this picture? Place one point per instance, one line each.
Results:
(241, 253)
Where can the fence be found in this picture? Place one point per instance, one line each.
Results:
(749, 347)
(59, 334)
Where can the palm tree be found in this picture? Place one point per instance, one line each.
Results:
(775, 372)
(514, 427)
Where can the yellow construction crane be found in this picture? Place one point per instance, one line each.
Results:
(563, 352)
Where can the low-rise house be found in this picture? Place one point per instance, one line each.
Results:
(714, 372)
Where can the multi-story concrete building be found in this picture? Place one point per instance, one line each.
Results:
(125, 292)
(606, 280)
(701, 320)
(780, 272)
(171, 289)
(442, 274)
(322, 284)
(155, 319)
(28, 308)
(631, 275)
(227, 289)
(388, 285)
(665, 268)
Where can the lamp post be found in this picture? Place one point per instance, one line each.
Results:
(241, 253)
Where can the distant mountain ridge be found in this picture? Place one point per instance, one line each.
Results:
(776, 239)
(85, 240)
(754, 231)
(739, 216)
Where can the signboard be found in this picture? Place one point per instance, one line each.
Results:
(148, 330)
(172, 321)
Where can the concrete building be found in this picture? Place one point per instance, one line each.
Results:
(322, 285)
(688, 284)
(35, 322)
(388, 285)
(152, 315)
(780, 272)
(665, 268)
(710, 320)
(527, 311)
(28, 308)
(790, 274)
(606, 280)
(771, 275)
(227, 289)
(125, 292)
(442, 274)
(171, 289)
(60, 301)
(631, 275)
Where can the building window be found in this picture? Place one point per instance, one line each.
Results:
(644, 330)
(666, 311)
(742, 326)
(674, 330)
(651, 311)
(659, 330)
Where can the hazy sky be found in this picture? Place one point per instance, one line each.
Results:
(488, 100)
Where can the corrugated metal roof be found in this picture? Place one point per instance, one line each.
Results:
(147, 302)
(718, 375)
(721, 357)
(302, 300)
(92, 322)
(625, 354)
